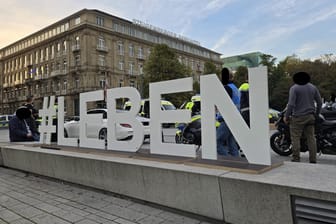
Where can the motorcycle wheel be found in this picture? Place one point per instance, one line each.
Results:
(280, 145)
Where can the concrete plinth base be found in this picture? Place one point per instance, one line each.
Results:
(216, 193)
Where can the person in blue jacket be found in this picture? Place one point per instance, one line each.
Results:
(226, 143)
(21, 126)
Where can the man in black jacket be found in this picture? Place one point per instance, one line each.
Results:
(21, 126)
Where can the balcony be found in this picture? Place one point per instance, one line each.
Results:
(17, 82)
(29, 79)
(101, 67)
(37, 77)
(102, 48)
(75, 47)
(58, 72)
(140, 57)
(60, 53)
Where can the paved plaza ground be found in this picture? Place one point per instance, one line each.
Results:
(26, 199)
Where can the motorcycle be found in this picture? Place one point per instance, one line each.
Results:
(325, 132)
(189, 133)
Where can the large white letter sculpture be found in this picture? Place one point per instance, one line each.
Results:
(86, 119)
(169, 116)
(129, 117)
(61, 140)
(253, 141)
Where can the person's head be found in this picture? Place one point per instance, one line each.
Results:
(23, 113)
(225, 76)
(301, 78)
(30, 99)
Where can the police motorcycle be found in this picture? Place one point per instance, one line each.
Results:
(325, 132)
(191, 133)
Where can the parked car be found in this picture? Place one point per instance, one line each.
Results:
(144, 107)
(4, 120)
(99, 130)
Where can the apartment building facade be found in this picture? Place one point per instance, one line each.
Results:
(86, 51)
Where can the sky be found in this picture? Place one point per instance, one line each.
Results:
(280, 28)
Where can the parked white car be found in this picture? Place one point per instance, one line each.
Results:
(99, 130)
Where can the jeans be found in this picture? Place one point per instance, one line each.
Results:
(224, 135)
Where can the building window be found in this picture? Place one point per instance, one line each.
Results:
(102, 83)
(65, 84)
(132, 83)
(77, 60)
(140, 69)
(140, 52)
(130, 70)
(121, 83)
(121, 65)
(100, 21)
(77, 21)
(64, 46)
(121, 48)
(131, 50)
(101, 43)
(47, 53)
(77, 41)
(64, 64)
(77, 83)
(52, 51)
(46, 70)
(101, 60)
(58, 47)
(42, 55)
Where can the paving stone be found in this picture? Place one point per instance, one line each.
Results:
(118, 201)
(27, 211)
(68, 215)
(124, 221)
(48, 219)
(7, 201)
(149, 210)
(124, 212)
(106, 216)
(151, 220)
(176, 218)
(8, 216)
(86, 221)
(99, 219)
(47, 207)
(21, 221)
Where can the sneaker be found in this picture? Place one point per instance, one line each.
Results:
(312, 161)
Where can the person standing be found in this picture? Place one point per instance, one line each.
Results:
(245, 100)
(304, 105)
(223, 133)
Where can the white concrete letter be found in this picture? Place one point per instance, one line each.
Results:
(254, 141)
(158, 117)
(128, 117)
(60, 126)
(86, 119)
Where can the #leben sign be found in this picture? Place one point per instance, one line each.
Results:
(253, 140)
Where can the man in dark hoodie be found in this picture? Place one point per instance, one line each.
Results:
(304, 105)
(21, 127)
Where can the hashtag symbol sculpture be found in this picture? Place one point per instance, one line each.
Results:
(46, 127)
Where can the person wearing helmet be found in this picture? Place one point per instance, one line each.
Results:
(301, 113)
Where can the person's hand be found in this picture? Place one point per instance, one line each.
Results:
(286, 120)
(29, 135)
